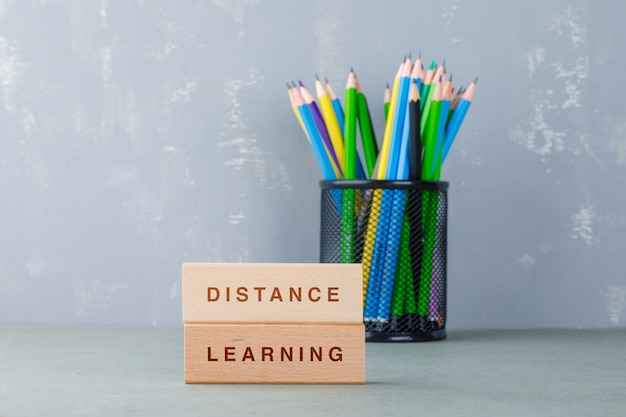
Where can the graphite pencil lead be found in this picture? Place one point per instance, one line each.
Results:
(476, 80)
(301, 84)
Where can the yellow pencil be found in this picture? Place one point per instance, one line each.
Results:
(330, 119)
(381, 162)
(384, 151)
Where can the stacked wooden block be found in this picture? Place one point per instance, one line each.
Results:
(273, 323)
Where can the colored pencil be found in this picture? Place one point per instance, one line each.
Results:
(415, 146)
(398, 122)
(336, 104)
(457, 118)
(330, 120)
(386, 100)
(368, 138)
(316, 140)
(321, 127)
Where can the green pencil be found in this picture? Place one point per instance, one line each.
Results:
(370, 148)
(349, 135)
(429, 202)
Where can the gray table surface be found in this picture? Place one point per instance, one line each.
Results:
(124, 371)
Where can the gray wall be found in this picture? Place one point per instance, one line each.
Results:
(136, 135)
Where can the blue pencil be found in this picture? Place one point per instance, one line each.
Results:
(378, 257)
(316, 140)
(457, 118)
(388, 230)
(398, 121)
(391, 251)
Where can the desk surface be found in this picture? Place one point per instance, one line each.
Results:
(124, 371)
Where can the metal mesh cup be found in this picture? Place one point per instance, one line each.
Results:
(397, 230)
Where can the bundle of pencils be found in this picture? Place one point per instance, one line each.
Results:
(423, 114)
(426, 97)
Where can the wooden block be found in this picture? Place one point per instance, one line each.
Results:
(278, 293)
(275, 353)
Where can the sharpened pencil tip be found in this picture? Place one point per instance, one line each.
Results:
(476, 80)
(317, 78)
(326, 80)
(301, 84)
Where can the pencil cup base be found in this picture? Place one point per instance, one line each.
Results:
(405, 337)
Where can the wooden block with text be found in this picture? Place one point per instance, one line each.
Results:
(275, 353)
(273, 323)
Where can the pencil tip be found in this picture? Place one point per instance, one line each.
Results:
(317, 78)
(326, 79)
(476, 80)
(301, 84)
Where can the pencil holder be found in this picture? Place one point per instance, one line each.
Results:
(397, 230)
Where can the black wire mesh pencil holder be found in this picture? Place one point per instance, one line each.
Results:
(397, 230)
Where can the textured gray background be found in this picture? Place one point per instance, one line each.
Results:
(136, 135)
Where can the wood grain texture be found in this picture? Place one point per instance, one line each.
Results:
(278, 293)
(275, 353)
